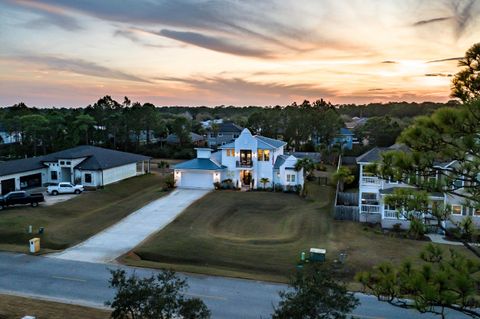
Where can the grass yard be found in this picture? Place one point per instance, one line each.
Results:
(77, 219)
(260, 235)
(12, 307)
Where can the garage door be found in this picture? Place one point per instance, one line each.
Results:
(30, 181)
(197, 180)
(8, 185)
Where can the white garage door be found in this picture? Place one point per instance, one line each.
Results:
(197, 180)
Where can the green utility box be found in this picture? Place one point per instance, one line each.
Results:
(317, 254)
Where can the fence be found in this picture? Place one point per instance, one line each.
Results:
(347, 199)
(347, 213)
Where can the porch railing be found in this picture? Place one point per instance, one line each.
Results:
(371, 209)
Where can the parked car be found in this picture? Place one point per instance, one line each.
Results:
(20, 198)
(64, 188)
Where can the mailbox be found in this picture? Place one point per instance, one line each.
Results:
(34, 245)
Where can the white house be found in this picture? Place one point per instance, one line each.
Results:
(88, 165)
(245, 161)
(7, 137)
(373, 190)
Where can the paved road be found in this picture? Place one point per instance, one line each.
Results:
(120, 238)
(86, 284)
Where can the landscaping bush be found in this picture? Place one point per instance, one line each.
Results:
(169, 181)
(163, 164)
(417, 229)
(397, 227)
(321, 167)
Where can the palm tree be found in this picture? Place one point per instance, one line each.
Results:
(307, 165)
(343, 176)
(264, 181)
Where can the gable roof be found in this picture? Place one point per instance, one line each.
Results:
(375, 154)
(271, 141)
(21, 165)
(280, 160)
(200, 164)
(97, 158)
(229, 127)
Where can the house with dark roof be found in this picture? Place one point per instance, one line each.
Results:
(9, 137)
(344, 139)
(195, 138)
(245, 161)
(223, 133)
(373, 191)
(87, 165)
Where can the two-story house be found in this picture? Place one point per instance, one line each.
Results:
(245, 161)
(373, 190)
(222, 134)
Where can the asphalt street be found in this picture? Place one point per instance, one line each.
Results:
(86, 283)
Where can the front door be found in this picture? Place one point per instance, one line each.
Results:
(246, 178)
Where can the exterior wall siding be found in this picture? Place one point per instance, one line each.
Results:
(116, 174)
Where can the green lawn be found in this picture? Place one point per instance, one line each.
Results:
(260, 235)
(75, 220)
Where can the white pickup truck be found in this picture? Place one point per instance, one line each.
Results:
(64, 188)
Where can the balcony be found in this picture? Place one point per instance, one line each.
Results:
(393, 214)
(370, 209)
(370, 180)
(244, 164)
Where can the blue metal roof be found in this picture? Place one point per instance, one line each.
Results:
(271, 141)
(345, 131)
(279, 161)
(200, 164)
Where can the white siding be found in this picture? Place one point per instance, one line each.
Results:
(116, 174)
(18, 175)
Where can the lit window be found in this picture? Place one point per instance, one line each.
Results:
(230, 152)
(266, 155)
(260, 155)
(456, 209)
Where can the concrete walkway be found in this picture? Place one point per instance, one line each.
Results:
(120, 238)
(440, 239)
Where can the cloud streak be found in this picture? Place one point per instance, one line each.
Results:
(434, 20)
(83, 67)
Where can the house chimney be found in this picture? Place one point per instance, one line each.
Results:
(204, 152)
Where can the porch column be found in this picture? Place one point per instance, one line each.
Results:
(143, 167)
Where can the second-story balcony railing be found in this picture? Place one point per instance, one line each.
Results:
(244, 164)
(370, 180)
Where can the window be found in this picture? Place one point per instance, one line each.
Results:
(288, 177)
(88, 178)
(68, 163)
(230, 152)
(390, 207)
(260, 154)
(476, 212)
(266, 155)
(457, 184)
(292, 178)
(456, 209)
(53, 175)
(263, 155)
(62, 162)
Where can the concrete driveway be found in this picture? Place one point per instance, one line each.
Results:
(120, 238)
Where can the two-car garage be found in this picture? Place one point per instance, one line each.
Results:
(201, 172)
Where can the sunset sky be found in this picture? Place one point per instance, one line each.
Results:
(244, 52)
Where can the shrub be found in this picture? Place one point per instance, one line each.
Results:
(397, 227)
(169, 181)
(163, 164)
(217, 185)
(417, 229)
(321, 167)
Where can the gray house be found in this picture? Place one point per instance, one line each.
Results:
(88, 165)
(226, 133)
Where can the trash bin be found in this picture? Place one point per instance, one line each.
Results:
(34, 245)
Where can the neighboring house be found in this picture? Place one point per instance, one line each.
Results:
(245, 161)
(88, 165)
(372, 192)
(7, 137)
(344, 138)
(196, 139)
(226, 133)
(356, 122)
(314, 156)
(142, 137)
(208, 123)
